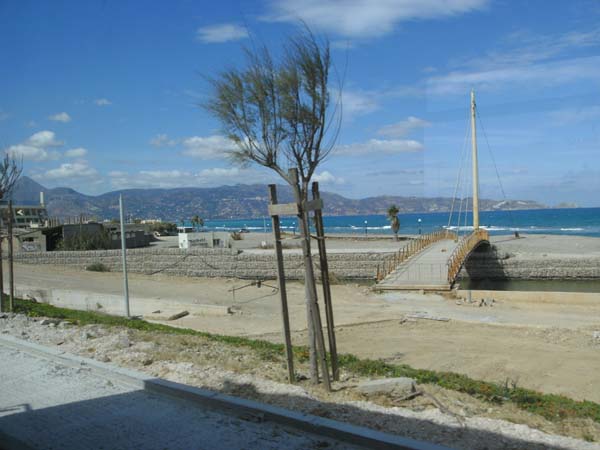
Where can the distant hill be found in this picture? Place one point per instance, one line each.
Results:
(224, 202)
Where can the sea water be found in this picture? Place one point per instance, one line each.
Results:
(574, 221)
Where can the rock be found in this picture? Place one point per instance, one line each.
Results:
(50, 322)
(123, 342)
(596, 335)
(85, 336)
(147, 361)
(399, 387)
(104, 358)
(179, 315)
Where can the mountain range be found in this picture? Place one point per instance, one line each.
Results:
(224, 202)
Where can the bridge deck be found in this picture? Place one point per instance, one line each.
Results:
(426, 270)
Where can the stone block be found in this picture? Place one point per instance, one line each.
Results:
(397, 387)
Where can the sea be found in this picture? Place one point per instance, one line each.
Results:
(572, 221)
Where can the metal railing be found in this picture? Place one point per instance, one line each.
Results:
(391, 262)
(466, 245)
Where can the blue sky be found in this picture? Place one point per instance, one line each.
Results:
(103, 95)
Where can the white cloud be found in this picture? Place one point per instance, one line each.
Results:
(117, 173)
(403, 128)
(327, 177)
(356, 103)
(211, 147)
(36, 147)
(224, 32)
(379, 146)
(78, 152)
(219, 172)
(67, 171)
(102, 102)
(166, 179)
(541, 75)
(570, 116)
(526, 48)
(43, 139)
(31, 153)
(162, 140)
(60, 117)
(524, 59)
(365, 18)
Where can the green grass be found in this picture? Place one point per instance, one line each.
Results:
(550, 406)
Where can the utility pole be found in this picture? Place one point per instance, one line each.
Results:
(475, 166)
(11, 271)
(124, 256)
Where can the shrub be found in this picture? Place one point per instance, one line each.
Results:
(97, 267)
(163, 227)
(237, 236)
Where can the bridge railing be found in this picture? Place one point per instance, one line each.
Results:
(391, 262)
(465, 246)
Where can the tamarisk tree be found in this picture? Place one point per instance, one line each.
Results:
(279, 113)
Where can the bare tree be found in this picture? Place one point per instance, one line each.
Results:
(279, 114)
(10, 171)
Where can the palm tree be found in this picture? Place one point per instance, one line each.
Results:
(392, 215)
(197, 221)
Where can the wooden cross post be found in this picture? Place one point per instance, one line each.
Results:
(281, 282)
(325, 280)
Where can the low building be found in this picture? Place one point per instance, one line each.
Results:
(205, 239)
(50, 238)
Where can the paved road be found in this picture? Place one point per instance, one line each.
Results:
(47, 405)
(427, 268)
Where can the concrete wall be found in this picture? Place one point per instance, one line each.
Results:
(488, 265)
(198, 262)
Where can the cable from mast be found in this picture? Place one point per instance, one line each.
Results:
(505, 198)
(462, 164)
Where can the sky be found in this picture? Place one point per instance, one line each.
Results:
(105, 95)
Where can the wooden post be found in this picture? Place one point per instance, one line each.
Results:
(11, 273)
(282, 290)
(1, 273)
(326, 287)
(310, 285)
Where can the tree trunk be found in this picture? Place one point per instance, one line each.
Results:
(11, 272)
(315, 329)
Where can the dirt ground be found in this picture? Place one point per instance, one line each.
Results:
(546, 345)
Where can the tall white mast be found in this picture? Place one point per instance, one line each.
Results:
(475, 167)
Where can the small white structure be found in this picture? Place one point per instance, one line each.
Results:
(206, 239)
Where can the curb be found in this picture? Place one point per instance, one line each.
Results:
(305, 422)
